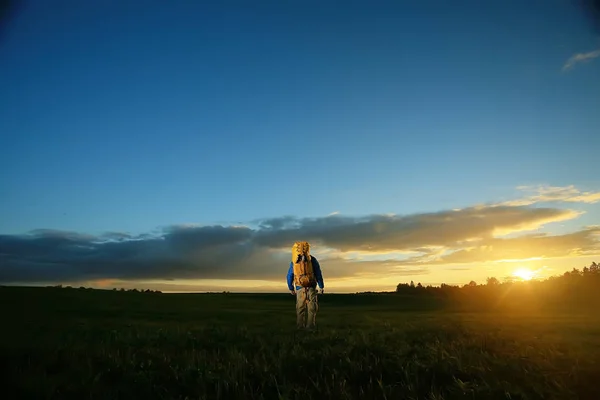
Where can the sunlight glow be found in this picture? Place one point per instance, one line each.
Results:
(517, 260)
(524, 274)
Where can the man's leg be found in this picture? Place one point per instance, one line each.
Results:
(313, 307)
(300, 308)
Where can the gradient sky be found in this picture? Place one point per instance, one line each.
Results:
(216, 130)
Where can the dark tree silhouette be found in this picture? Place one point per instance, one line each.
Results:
(576, 289)
(492, 281)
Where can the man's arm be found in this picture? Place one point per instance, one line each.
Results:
(318, 273)
(290, 277)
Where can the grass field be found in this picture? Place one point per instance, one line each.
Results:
(92, 344)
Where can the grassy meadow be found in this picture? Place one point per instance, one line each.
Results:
(96, 344)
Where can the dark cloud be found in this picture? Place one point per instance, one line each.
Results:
(276, 224)
(230, 252)
(214, 252)
(117, 236)
(179, 253)
(388, 233)
(186, 239)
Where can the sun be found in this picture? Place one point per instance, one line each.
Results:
(524, 274)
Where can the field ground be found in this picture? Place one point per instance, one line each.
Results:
(92, 344)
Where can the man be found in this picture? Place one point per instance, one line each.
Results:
(306, 297)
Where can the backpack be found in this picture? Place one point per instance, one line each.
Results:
(303, 269)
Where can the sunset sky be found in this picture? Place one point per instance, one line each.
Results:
(182, 146)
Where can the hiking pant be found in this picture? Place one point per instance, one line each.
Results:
(306, 307)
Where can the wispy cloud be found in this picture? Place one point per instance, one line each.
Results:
(549, 194)
(579, 58)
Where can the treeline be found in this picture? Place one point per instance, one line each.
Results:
(114, 289)
(579, 288)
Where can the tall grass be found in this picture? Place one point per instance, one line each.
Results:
(58, 344)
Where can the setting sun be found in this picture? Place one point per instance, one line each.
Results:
(524, 274)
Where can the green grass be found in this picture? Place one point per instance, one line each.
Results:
(83, 344)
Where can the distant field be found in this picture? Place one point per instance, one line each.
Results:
(91, 344)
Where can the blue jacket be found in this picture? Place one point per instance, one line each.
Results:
(316, 269)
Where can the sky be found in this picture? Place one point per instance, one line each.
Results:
(183, 146)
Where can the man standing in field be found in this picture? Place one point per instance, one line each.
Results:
(303, 277)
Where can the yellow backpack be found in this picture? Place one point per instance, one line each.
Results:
(303, 270)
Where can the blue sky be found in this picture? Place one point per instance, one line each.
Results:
(115, 117)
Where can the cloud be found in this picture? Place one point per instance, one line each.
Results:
(368, 247)
(379, 233)
(549, 194)
(579, 58)
(211, 252)
(535, 246)
(591, 10)
(178, 253)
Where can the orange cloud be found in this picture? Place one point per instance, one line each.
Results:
(536, 246)
(548, 194)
